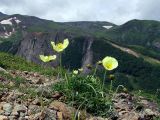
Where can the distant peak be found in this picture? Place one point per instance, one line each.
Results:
(2, 15)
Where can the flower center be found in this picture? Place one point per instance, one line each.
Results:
(46, 57)
(109, 65)
(59, 46)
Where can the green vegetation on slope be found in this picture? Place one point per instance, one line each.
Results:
(144, 75)
(145, 51)
(136, 32)
(79, 91)
(11, 62)
(11, 44)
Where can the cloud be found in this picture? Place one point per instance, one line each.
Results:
(150, 9)
(116, 11)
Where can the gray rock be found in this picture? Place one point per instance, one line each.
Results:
(2, 117)
(12, 117)
(50, 114)
(44, 91)
(22, 118)
(19, 110)
(33, 109)
(7, 108)
(36, 101)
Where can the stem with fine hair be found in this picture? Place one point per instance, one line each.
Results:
(79, 108)
(117, 90)
(60, 61)
(111, 84)
(95, 70)
(104, 78)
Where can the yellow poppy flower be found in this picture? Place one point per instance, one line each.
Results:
(110, 63)
(75, 72)
(47, 58)
(59, 47)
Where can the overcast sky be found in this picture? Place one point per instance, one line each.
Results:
(116, 11)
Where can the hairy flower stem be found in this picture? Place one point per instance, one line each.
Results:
(111, 85)
(60, 62)
(41, 98)
(95, 70)
(117, 90)
(79, 109)
(104, 78)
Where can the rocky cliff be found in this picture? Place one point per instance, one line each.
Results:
(79, 52)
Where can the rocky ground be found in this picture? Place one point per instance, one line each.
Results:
(33, 99)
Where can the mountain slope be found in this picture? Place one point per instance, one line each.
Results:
(29, 36)
(137, 54)
(2, 15)
(41, 100)
(145, 33)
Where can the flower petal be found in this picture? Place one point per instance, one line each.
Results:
(47, 58)
(43, 58)
(59, 47)
(75, 72)
(65, 43)
(52, 57)
(110, 63)
(54, 46)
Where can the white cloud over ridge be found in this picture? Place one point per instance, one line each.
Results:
(116, 11)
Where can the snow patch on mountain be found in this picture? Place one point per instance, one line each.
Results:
(107, 27)
(9, 21)
(6, 22)
(17, 21)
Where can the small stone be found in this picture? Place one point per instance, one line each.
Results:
(97, 118)
(27, 117)
(36, 102)
(32, 109)
(59, 115)
(56, 95)
(149, 112)
(130, 116)
(21, 118)
(44, 91)
(14, 113)
(22, 85)
(37, 81)
(2, 117)
(11, 83)
(12, 117)
(59, 106)
(36, 75)
(49, 114)
(1, 107)
(22, 114)
(35, 116)
(26, 72)
(7, 108)
(122, 113)
(144, 102)
(19, 110)
(14, 95)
